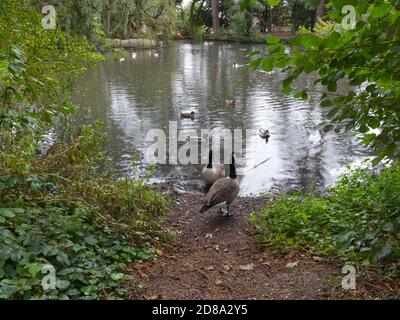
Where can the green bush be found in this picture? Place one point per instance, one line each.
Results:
(66, 215)
(358, 219)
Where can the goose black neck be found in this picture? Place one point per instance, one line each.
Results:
(209, 166)
(232, 171)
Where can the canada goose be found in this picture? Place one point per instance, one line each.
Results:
(212, 172)
(230, 102)
(264, 134)
(188, 114)
(224, 190)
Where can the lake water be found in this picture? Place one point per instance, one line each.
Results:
(137, 95)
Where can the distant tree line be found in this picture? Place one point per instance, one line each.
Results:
(165, 18)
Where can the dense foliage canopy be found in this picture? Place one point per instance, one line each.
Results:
(56, 208)
(367, 57)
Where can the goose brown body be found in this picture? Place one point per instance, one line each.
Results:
(224, 190)
(212, 172)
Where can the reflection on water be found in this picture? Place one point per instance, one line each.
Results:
(145, 93)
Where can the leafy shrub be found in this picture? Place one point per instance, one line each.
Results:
(66, 215)
(56, 206)
(358, 219)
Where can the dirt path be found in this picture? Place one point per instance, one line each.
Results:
(217, 258)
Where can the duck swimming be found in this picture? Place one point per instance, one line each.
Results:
(264, 134)
(230, 102)
(188, 114)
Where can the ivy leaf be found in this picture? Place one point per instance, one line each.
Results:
(7, 212)
(385, 251)
(117, 276)
(35, 268)
(62, 284)
(91, 240)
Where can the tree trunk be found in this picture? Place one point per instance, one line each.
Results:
(215, 14)
(320, 12)
(191, 16)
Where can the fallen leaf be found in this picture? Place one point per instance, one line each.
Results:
(315, 258)
(159, 252)
(249, 267)
(227, 268)
(209, 268)
(292, 264)
(218, 282)
(155, 297)
(208, 236)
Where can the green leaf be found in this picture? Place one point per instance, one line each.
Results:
(7, 212)
(383, 252)
(88, 289)
(286, 89)
(35, 268)
(268, 64)
(256, 63)
(374, 122)
(301, 95)
(91, 240)
(273, 3)
(62, 284)
(273, 40)
(326, 103)
(378, 11)
(117, 276)
(332, 86)
(363, 129)
(328, 127)
(17, 52)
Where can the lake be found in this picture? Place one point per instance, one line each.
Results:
(152, 89)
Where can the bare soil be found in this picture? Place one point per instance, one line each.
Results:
(216, 257)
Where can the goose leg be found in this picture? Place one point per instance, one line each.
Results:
(228, 213)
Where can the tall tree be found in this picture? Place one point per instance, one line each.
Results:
(320, 11)
(215, 14)
(367, 57)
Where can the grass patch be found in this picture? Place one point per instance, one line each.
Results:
(358, 219)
